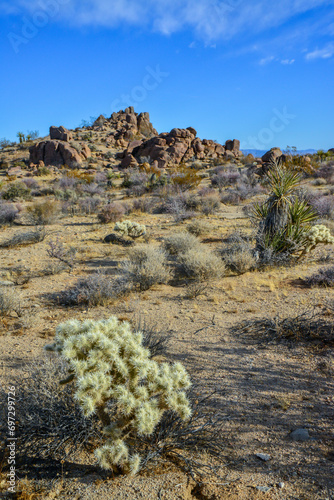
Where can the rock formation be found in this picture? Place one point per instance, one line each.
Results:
(60, 134)
(58, 153)
(179, 145)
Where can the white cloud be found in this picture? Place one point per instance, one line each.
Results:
(325, 53)
(266, 60)
(287, 61)
(209, 19)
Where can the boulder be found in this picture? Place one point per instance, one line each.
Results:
(60, 134)
(57, 153)
(101, 120)
(272, 155)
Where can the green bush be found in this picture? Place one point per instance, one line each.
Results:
(16, 190)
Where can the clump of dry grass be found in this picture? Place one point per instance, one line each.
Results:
(323, 277)
(10, 302)
(198, 227)
(42, 213)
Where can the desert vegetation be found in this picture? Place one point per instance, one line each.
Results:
(228, 263)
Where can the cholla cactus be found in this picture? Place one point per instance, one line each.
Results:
(128, 228)
(108, 362)
(318, 234)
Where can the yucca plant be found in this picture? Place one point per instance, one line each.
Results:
(284, 219)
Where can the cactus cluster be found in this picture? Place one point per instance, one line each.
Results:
(108, 363)
(128, 228)
(318, 234)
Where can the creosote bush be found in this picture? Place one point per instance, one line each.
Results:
(238, 254)
(146, 267)
(42, 213)
(9, 302)
(108, 362)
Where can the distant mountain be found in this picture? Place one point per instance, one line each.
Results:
(260, 152)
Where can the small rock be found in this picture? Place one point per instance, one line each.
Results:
(264, 489)
(281, 485)
(6, 283)
(300, 435)
(263, 456)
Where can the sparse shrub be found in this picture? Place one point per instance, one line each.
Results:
(147, 266)
(326, 171)
(238, 254)
(178, 206)
(223, 177)
(230, 197)
(180, 243)
(16, 190)
(136, 182)
(27, 238)
(91, 189)
(10, 302)
(145, 205)
(107, 361)
(198, 227)
(67, 182)
(42, 213)
(31, 183)
(131, 229)
(111, 213)
(185, 178)
(200, 264)
(8, 213)
(57, 250)
(96, 290)
(324, 205)
(43, 171)
(323, 277)
(90, 204)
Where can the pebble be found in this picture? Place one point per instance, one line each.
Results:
(6, 283)
(263, 456)
(300, 435)
(281, 485)
(264, 489)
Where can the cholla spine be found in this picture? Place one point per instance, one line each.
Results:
(108, 361)
(132, 229)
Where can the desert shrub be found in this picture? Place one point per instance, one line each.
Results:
(97, 289)
(16, 190)
(92, 189)
(145, 205)
(100, 177)
(206, 201)
(111, 213)
(223, 177)
(238, 254)
(90, 204)
(185, 178)
(109, 363)
(326, 171)
(136, 182)
(43, 171)
(230, 197)
(8, 213)
(147, 266)
(177, 204)
(200, 264)
(180, 243)
(10, 302)
(323, 277)
(324, 205)
(131, 229)
(42, 213)
(57, 250)
(67, 182)
(198, 227)
(27, 238)
(307, 326)
(31, 183)
(66, 194)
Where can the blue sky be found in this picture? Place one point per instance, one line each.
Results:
(258, 71)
